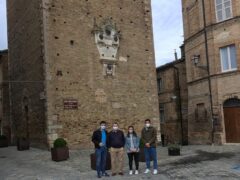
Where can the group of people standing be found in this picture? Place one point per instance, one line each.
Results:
(116, 142)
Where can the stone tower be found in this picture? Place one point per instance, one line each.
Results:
(76, 63)
(212, 49)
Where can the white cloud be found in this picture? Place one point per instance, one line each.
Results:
(168, 30)
(167, 23)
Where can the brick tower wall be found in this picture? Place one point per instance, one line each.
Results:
(75, 72)
(26, 70)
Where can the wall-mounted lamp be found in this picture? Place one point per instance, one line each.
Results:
(196, 60)
(173, 98)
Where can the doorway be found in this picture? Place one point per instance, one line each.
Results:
(231, 108)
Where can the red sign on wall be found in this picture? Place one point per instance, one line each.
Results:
(70, 104)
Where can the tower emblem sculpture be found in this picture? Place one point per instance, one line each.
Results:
(107, 41)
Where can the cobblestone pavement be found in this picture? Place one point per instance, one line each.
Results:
(195, 162)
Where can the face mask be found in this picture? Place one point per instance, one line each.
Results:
(147, 125)
(130, 131)
(115, 128)
(103, 127)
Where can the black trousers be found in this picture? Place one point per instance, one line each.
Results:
(134, 156)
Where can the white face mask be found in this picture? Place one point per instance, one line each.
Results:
(147, 125)
(115, 128)
(103, 127)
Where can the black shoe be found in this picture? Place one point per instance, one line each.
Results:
(99, 176)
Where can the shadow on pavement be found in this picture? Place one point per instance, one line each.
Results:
(203, 156)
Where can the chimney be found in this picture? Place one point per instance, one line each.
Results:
(175, 54)
(182, 47)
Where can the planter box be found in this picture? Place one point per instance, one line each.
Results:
(23, 144)
(3, 143)
(93, 161)
(142, 156)
(60, 154)
(174, 151)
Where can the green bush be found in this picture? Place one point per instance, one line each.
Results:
(59, 142)
(173, 146)
(141, 144)
(3, 137)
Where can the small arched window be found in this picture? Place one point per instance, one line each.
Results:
(232, 102)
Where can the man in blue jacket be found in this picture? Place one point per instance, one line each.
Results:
(100, 140)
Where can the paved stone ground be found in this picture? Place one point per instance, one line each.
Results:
(195, 162)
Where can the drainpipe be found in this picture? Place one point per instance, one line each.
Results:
(208, 67)
(180, 102)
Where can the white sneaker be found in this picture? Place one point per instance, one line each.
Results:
(155, 171)
(147, 171)
(136, 172)
(130, 172)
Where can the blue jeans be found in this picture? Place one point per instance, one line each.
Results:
(101, 157)
(151, 153)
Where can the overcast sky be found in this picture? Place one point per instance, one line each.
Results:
(3, 25)
(167, 27)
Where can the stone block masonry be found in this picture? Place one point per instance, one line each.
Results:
(69, 68)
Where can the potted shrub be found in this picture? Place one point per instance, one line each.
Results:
(23, 144)
(60, 151)
(93, 161)
(174, 150)
(141, 152)
(3, 141)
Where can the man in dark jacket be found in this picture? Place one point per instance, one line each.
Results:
(100, 140)
(149, 138)
(116, 144)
